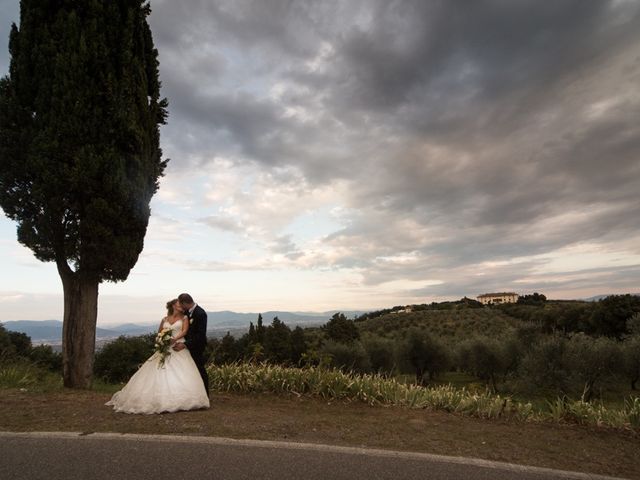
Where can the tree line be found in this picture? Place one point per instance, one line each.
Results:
(528, 359)
(541, 355)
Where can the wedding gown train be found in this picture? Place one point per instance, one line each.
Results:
(154, 389)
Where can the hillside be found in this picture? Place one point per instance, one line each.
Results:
(449, 324)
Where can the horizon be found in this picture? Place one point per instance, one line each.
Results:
(354, 155)
(106, 325)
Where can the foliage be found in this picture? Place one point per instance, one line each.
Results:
(381, 353)
(298, 345)
(119, 359)
(607, 317)
(226, 350)
(631, 358)
(589, 360)
(277, 342)
(79, 116)
(486, 358)
(21, 343)
(544, 365)
(610, 315)
(44, 356)
(346, 357)
(633, 324)
(379, 390)
(24, 366)
(26, 375)
(16, 347)
(424, 354)
(340, 329)
(452, 326)
(7, 349)
(534, 299)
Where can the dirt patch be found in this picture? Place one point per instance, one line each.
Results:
(269, 417)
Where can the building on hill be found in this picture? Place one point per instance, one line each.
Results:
(497, 298)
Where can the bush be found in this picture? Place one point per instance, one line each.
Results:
(224, 351)
(346, 357)
(44, 356)
(381, 354)
(340, 329)
(118, 360)
(7, 349)
(590, 360)
(486, 359)
(610, 315)
(544, 365)
(631, 358)
(422, 354)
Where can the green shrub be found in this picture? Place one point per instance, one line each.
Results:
(422, 354)
(44, 356)
(118, 360)
(381, 353)
(26, 375)
(345, 357)
(544, 366)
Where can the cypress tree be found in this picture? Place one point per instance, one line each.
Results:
(79, 149)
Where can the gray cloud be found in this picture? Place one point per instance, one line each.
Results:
(468, 132)
(9, 13)
(224, 224)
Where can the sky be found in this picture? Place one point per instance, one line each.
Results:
(329, 155)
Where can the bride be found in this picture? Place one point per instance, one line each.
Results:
(174, 386)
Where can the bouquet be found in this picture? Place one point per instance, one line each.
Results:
(163, 345)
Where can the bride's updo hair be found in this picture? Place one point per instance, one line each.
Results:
(170, 305)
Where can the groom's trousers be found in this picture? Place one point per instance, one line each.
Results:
(198, 358)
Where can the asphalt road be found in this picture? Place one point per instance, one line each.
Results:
(53, 456)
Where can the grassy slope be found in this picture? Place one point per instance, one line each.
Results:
(450, 325)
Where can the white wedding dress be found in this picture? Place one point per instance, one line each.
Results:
(154, 389)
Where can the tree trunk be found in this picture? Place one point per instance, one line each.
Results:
(79, 328)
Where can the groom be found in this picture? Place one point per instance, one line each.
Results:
(196, 338)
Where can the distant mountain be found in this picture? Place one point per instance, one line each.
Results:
(50, 331)
(233, 319)
(597, 298)
(133, 329)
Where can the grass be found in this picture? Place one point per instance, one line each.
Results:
(379, 390)
(23, 374)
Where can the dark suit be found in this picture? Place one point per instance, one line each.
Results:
(196, 341)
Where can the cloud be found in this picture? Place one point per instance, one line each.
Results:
(465, 134)
(464, 145)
